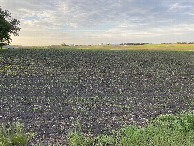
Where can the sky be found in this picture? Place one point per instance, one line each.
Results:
(83, 22)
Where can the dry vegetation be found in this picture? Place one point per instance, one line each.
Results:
(167, 47)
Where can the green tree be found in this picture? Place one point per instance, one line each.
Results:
(8, 26)
(63, 44)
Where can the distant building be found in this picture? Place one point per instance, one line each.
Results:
(7, 47)
(55, 46)
(71, 45)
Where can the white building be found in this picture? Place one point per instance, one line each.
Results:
(7, 47)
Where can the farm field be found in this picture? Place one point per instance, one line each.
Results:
(156, 47)
(53, 91)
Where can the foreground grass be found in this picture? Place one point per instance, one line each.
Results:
(164, 130)
(13, 134)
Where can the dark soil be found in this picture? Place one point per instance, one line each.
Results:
(55, 91)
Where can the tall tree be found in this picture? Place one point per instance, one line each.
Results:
(8, 26)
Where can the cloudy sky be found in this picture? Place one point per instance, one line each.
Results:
(47, 22)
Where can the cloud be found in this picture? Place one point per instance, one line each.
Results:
(103, 20)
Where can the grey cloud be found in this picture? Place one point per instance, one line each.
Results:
(85, 13)
(105, 18)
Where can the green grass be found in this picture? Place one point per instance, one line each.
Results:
(164, 130)
(13, 134)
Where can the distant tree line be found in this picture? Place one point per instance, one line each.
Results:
(64, 44)
(180, 43)
(134, 43)
(185, 43)
(167, 43)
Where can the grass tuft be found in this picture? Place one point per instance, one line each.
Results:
(13, 134)
(164, 130)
